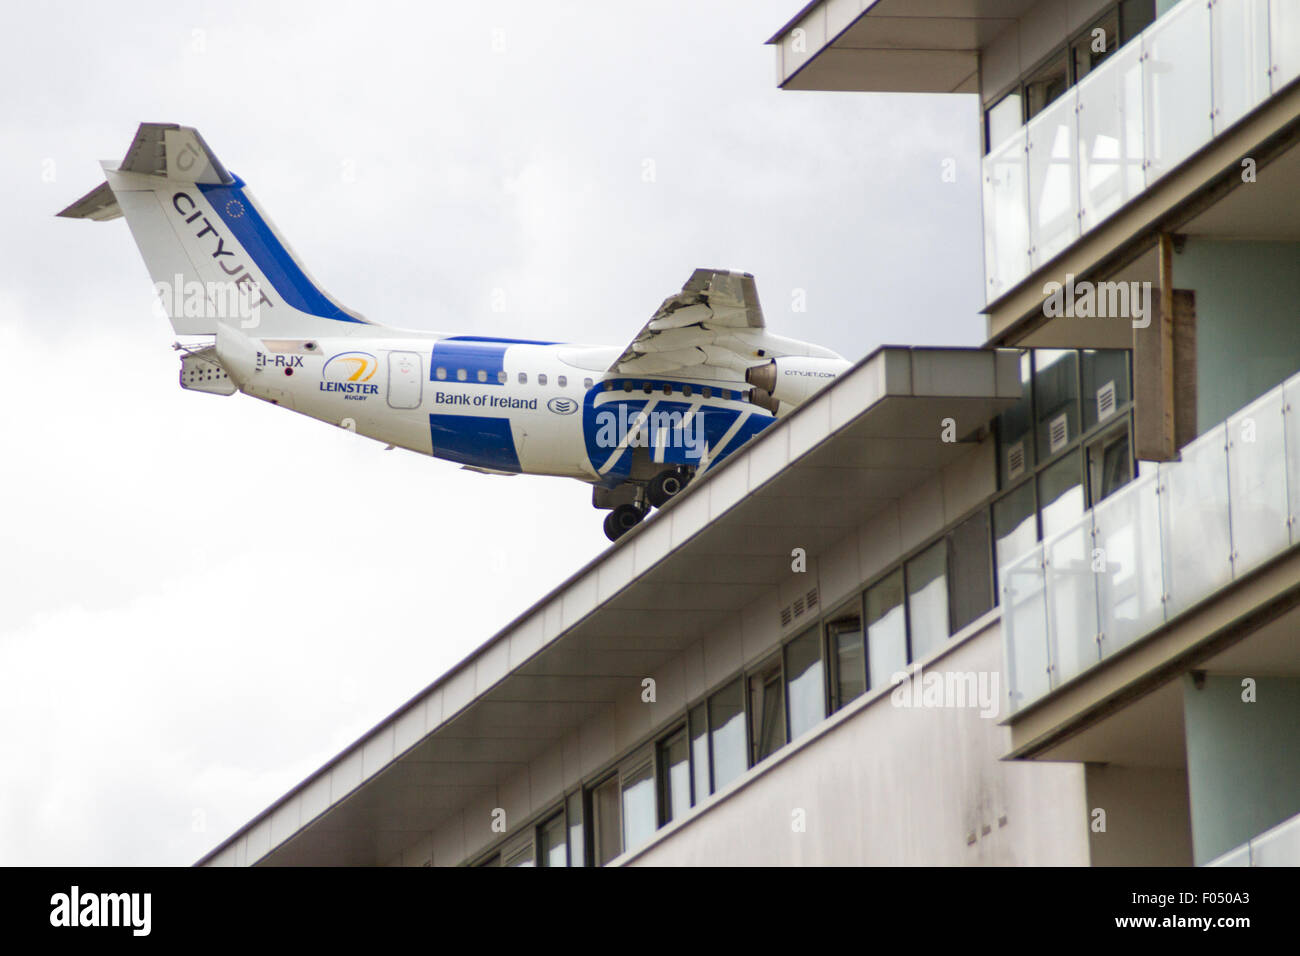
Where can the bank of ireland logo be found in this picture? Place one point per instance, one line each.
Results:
(562, 406)
(350, 373)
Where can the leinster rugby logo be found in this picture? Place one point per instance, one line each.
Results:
(350, 373)
(562, 406)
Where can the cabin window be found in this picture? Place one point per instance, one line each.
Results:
(562, 380)
(523, 378)
(460, 375)
(482, 375)
(707, 392)
(587, 383)
(541, 378)
(441, 373)
(501, 378)
(686, 390)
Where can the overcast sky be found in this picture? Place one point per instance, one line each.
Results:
(206, 598)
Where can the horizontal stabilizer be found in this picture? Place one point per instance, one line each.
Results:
(99, 204)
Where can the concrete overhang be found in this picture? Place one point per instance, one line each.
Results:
(723, 543)
(890, 46)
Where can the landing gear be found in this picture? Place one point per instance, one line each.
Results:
(622, 520)
(666, 485)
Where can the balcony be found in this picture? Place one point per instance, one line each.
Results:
(1155, 548)
(1186, 79)
(1279, 846)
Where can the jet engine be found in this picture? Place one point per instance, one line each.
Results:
(792, 379)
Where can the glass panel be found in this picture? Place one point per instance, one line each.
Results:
(1257, 482)
(886, 631)
(848, 659)
(1126, 536)
(1015, 524)
(1053, 181)
(639, 806)
(1006, 216)
(699, 753)
(606, 828)
(1025, 621)
(805, 685)
(675, 766)
(1005, 118)
(1194, 521)
(767, 712)
(1071, 602)
(1015, 429)
(520, 857)
(1105, 384)
(1284, 41)
(727, 734)
(1110, 137)
(555, 849)
(927, 599)
(1240, 58)
(1056, 400)
(1292, 425)
(970, 566)
(1176, 87)
(1060, 494)
(577, 847)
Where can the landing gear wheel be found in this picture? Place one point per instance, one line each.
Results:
(665, 486)
(622, 520)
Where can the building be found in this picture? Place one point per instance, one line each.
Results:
(1028, 604)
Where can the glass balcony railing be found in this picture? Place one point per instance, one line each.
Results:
(1277, 846)
(1155, 547)
(1189, 76)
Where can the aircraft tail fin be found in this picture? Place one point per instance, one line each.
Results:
(212, 253)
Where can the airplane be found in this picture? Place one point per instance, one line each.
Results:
(637, 423)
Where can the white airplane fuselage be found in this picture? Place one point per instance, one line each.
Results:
(501, 405)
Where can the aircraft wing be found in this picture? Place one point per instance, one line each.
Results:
(699, 330)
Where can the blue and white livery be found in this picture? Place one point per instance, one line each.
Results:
(701, 378)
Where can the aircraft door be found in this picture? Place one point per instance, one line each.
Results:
(405, 380)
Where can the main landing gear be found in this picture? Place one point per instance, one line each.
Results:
(656, 493)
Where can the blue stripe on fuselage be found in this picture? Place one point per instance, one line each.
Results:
(473, 440)
(246, 224)
(471, 354)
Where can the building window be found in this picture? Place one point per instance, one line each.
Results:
(675, 772)
(886, 630)
(1060, 494)
(727, 733)
(1015, 429)
(1046, 85)
(1110, 463)
(1015, 524)
(970, 571)
(638, 794)
(520, 855)
(577, 845)
(1105, 384)
(606, 824)
(927, 599)
(699, 727)
(1134, 17)
(1056, 400)
(766, 711)
(846, 652)
(552, 841)
(805, 685)
(1094, 45)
